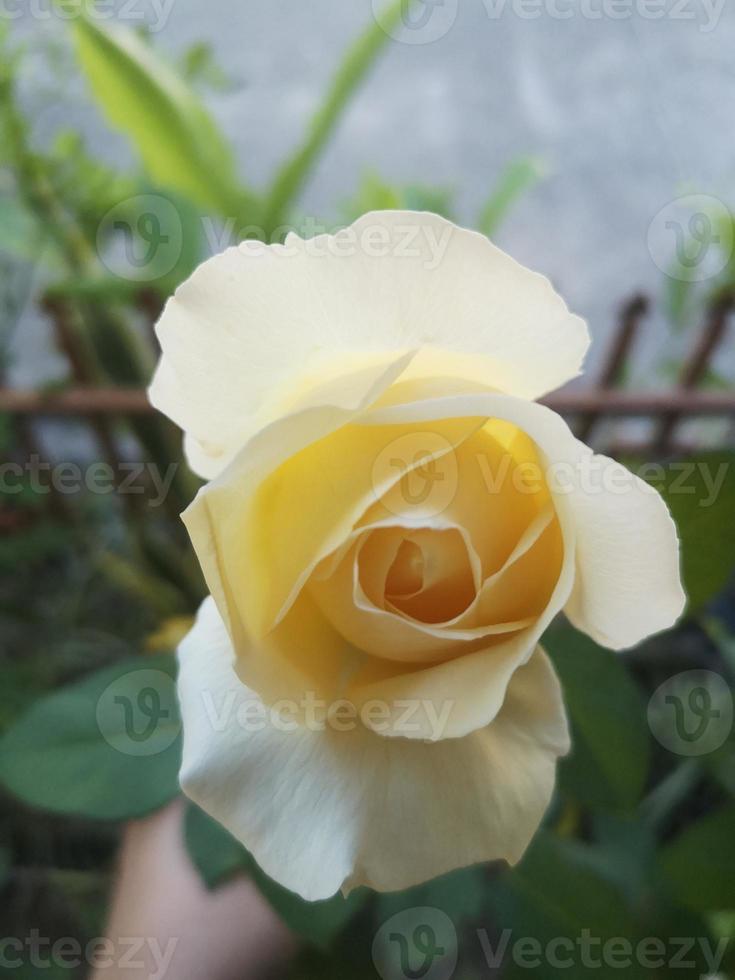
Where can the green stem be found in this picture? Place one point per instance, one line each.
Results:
(294, 173)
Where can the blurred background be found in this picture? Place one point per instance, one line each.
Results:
(593, 140)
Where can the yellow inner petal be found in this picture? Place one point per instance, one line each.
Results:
(406, 575)
(431, 578)
(483, 568)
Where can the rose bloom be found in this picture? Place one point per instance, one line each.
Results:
(390, 524)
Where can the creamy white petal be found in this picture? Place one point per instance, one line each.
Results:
(627, 582)
(212, 444)
(250, 330)
(320, 810)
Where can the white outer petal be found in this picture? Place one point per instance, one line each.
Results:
(628, 584)
(239, 336)
(321, 810)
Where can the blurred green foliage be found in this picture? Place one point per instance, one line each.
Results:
(638, 843)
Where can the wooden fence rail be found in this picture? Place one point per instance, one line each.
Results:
(598, 402)
(587, 407)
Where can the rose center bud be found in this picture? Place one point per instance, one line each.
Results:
(406, 575)
(431, 577)
(459, 553)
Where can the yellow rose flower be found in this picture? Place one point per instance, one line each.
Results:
(391, 523)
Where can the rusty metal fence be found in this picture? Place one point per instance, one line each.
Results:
(586, 407)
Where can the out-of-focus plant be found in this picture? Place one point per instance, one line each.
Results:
(638, 842)
(684, 297)
(72, 213)
(64, 216)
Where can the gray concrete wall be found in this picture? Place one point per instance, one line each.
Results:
(627, 114)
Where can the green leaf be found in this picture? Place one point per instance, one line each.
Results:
(518, 178)
(213, 850)
(624, 852)
(720, 762)
(318, 922)
(375, 194)
(199, 64)
(700, 863)
(700, 494)
(418, 197)
(678, 302)
(461, 894)
(555, 893)
(105, 747)
(180, 145)
(19, 232)
(359, 59)
(609, 760)
(217, 855)
(670, 792)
